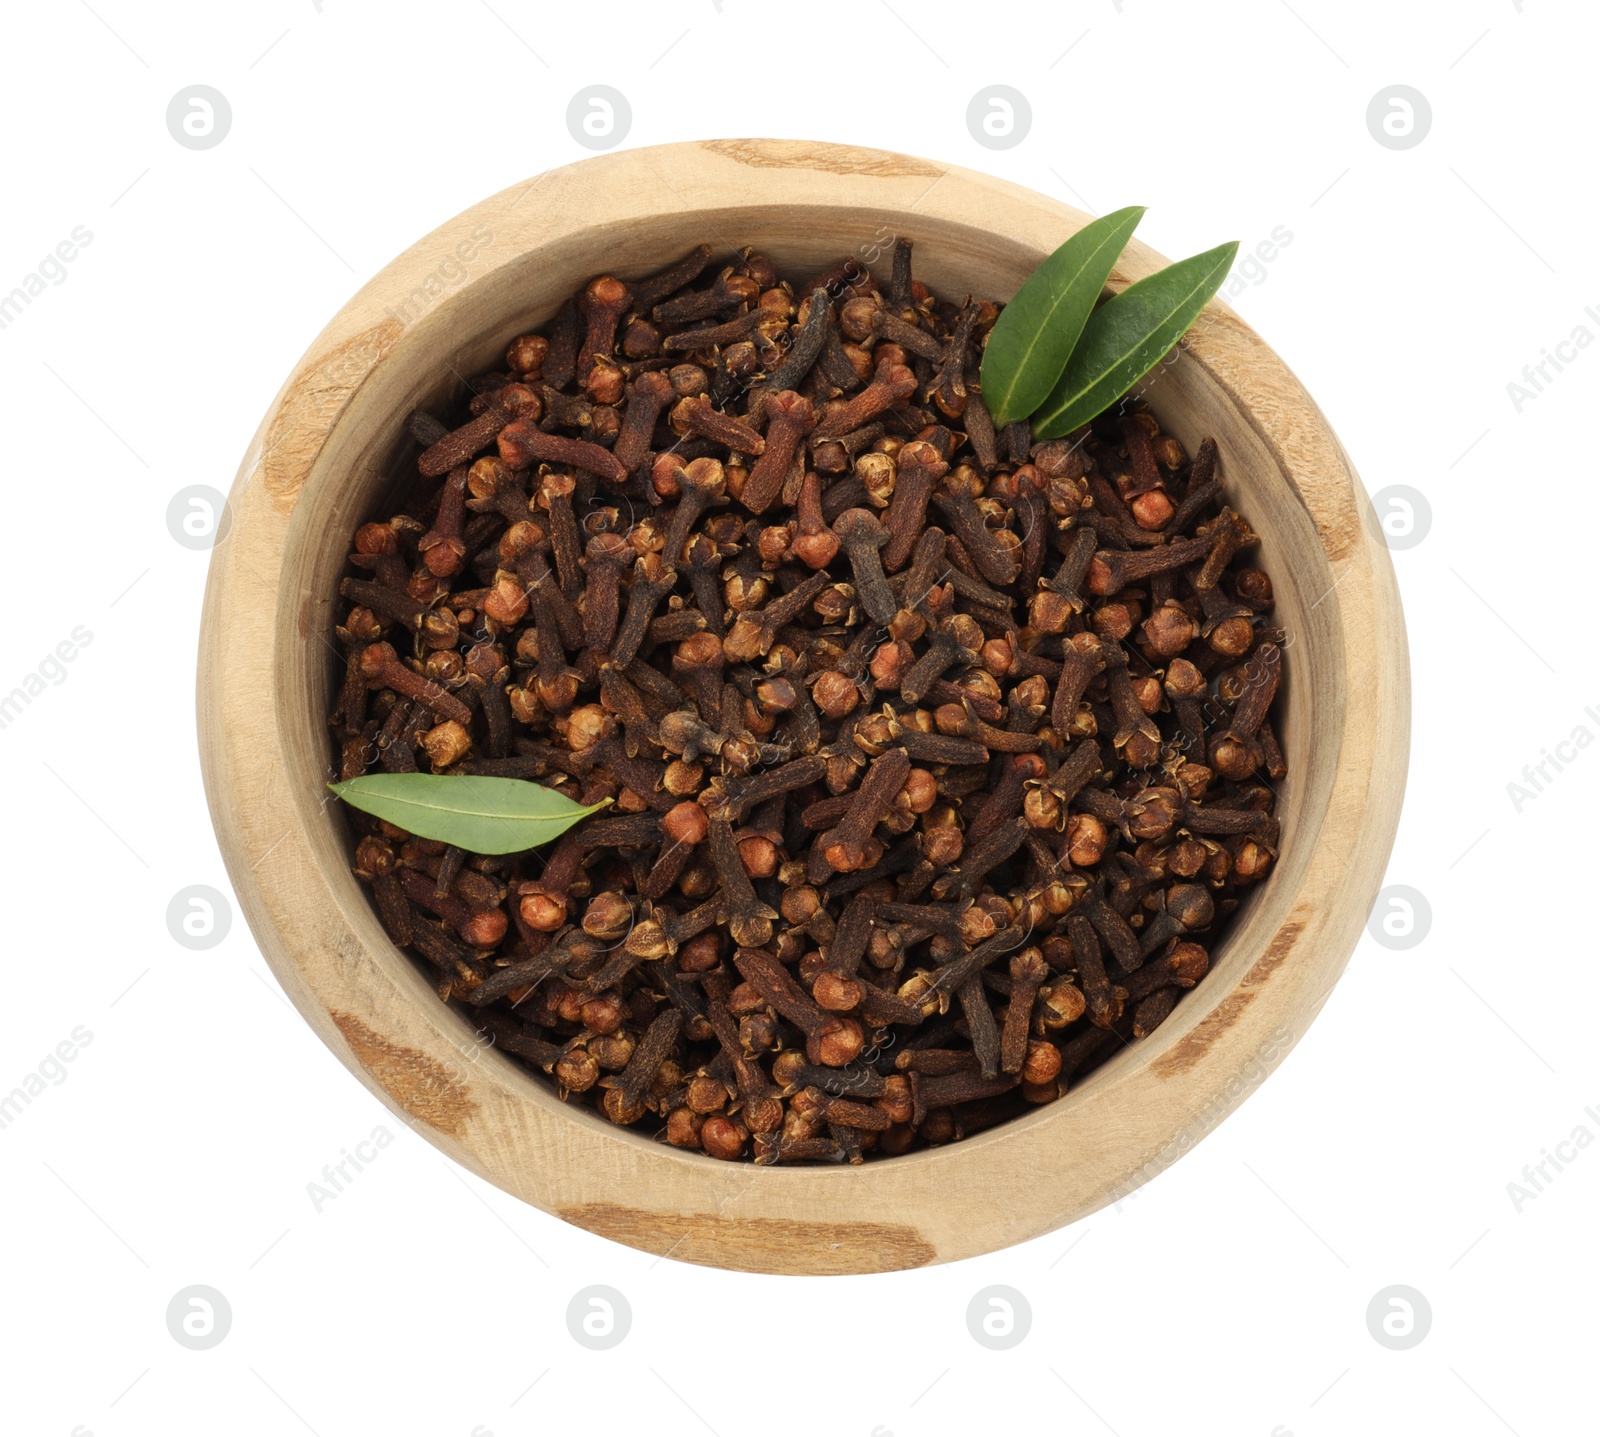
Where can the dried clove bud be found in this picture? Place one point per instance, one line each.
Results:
(913, 827)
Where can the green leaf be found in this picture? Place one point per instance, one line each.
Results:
(1126, 337)
(481, 815)
(1033, 338)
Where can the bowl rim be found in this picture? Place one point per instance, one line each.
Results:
(1157, 1098)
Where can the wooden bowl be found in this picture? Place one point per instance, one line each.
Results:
(323, 458)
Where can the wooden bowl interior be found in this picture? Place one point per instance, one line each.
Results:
(365, 463)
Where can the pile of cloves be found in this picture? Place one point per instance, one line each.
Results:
(939, 758)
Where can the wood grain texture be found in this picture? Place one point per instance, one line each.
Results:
(422, 1087)
(309, 409)
(810, 155)
(748, 1244)
(324, 458)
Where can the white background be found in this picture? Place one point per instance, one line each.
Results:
(1230, 1295)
